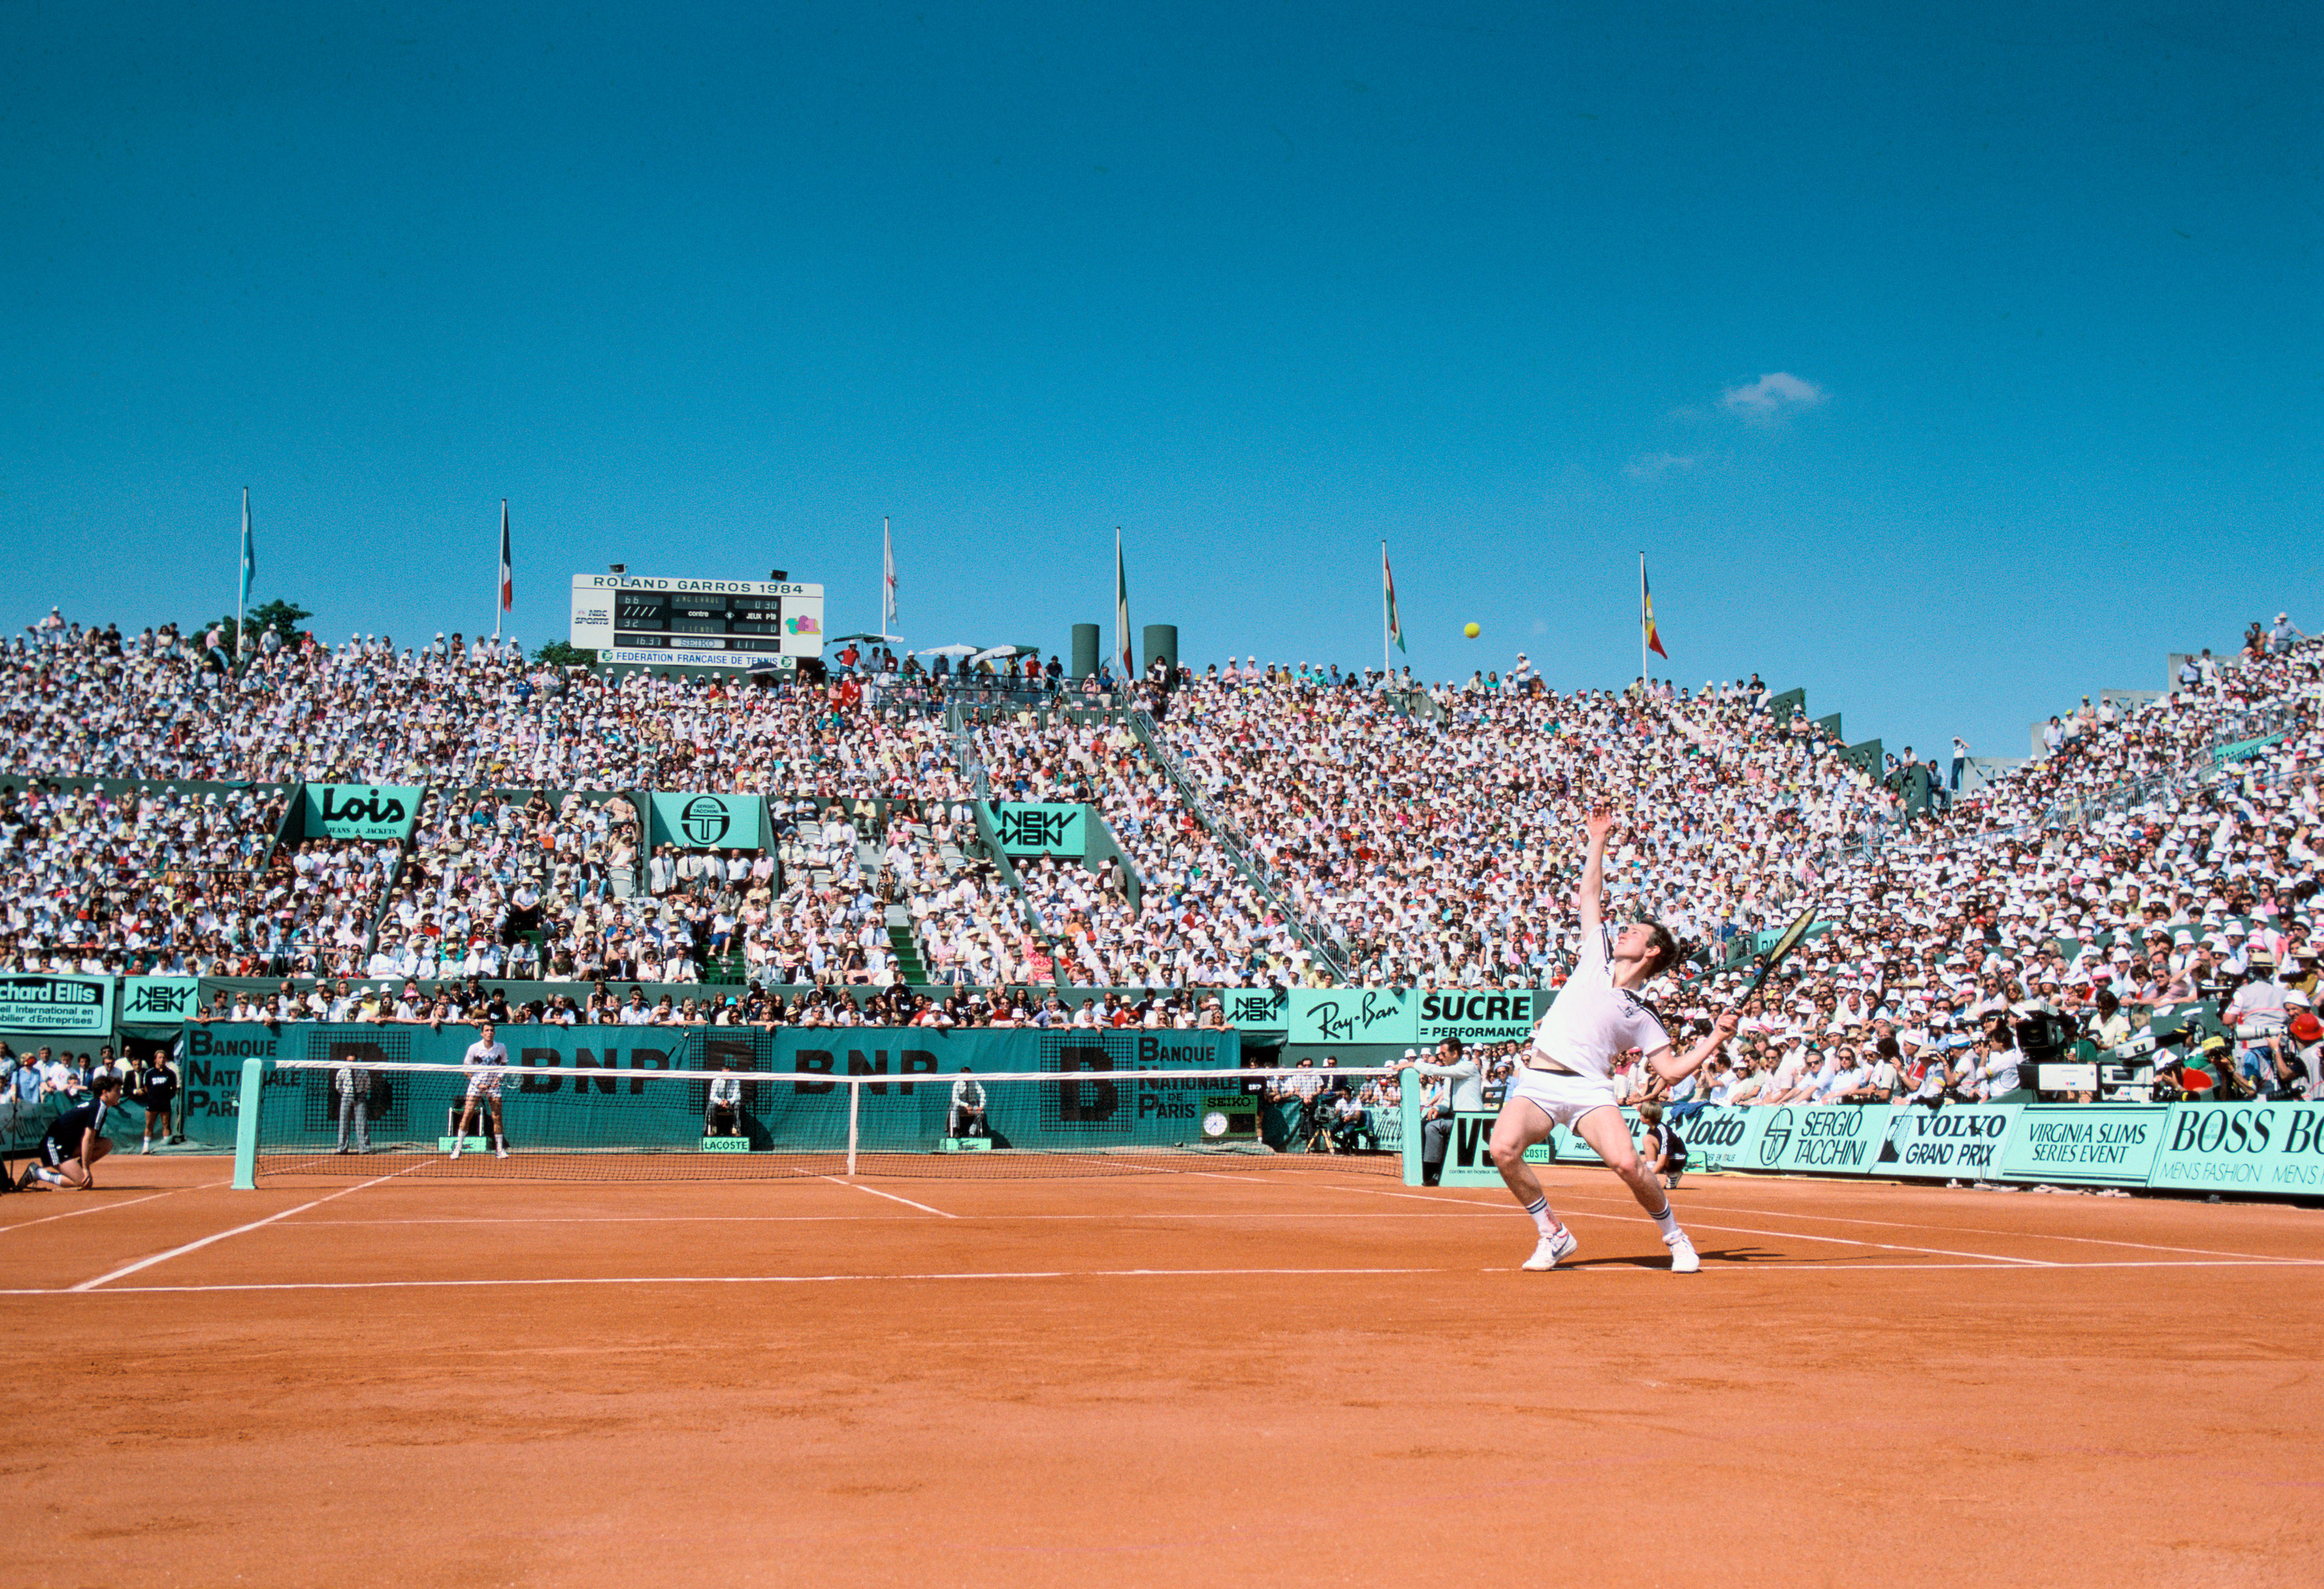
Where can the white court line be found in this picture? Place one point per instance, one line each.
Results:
(2001, 1267)
(1741, 1231)
(101, 1208)
(1981, 1230)
(707, 1280)
(238, 1230)
(1319, 1215)
(892, 1198)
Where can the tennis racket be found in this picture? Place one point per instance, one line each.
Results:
(1783, 946)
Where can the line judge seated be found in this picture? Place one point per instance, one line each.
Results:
(965, 1115)
(1454, 1066)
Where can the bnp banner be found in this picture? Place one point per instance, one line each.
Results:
(361, 810)
(708, 821)
(1353, 1015)
(159, 1000)
(592, 1088)
(1958, 1140)
(1824, 1137)
(2242, 1148)
(2110, 1144)
(1042, 831)
(59, 1006)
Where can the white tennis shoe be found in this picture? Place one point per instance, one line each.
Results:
(1550, 1248)
(1684, 1259)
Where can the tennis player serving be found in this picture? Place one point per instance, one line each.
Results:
(1566, 1077)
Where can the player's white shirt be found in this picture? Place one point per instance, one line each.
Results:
(1593, 1019)
(490, 1056)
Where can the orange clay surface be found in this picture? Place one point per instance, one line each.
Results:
(1287, 1375)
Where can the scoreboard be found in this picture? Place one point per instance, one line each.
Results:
(637, 621)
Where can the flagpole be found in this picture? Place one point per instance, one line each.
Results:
(497, 553)
(1642, 628)
(242, 582)
(1385, 668)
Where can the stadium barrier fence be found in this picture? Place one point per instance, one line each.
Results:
(2274, 1149)
(610, 1103)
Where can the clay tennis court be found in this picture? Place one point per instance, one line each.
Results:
(1282, 1375)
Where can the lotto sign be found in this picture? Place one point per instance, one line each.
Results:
(1042, 831)
(2242, 1147)
(1720, 1137)
(1831, 1139)
(2113, 1144)
(64, 1006)
(1955, 1140)
(362, 810)
(706, 821)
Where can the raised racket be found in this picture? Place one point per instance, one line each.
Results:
(1783, 946)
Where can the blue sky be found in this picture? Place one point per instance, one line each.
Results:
(1949, 365)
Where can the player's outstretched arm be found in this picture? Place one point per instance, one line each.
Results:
(1588, 902)
(1674, 1067)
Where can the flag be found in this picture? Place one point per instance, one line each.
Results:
(1121, 610)
(1647, 614)
(887, 580)
(249, 572)
(1387, 584)
(508, 570)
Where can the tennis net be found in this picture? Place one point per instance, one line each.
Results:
(716, 1110)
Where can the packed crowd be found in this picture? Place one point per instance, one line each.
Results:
(1327, 825)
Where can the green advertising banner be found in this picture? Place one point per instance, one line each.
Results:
(708, 821)
(361, 810)
(2110, 1144)
(2275, 1147)
(1478, 1015)
(159, 1000)
(1353, 1015)
(1825, 1138)
(591, 1088)
(57, 1006)
(1958, 1140)
(1042, 831)
(1257, 1010)
(1718, 1139)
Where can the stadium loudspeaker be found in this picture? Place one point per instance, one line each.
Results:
(1084, 650)
(1161, 641)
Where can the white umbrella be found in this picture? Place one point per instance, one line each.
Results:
(992, 654)
(947, 650)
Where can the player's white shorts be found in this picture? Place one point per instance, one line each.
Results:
(1563, 1098)
(485, 1084)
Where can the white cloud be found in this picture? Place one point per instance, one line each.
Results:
(1766, 400)
(1648, 465)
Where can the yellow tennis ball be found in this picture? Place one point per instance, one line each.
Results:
(1472, 631)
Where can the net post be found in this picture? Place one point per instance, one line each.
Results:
(245, 1125)
(854, 1121)
(1408, 1101)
